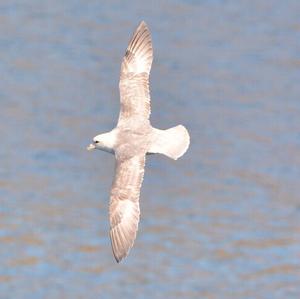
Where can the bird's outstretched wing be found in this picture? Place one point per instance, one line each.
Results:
(134, 78)
(124, 210)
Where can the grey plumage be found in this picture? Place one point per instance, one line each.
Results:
(132, 139)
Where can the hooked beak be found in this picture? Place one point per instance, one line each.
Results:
(91, 147)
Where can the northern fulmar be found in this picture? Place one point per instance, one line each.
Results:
(132, 139)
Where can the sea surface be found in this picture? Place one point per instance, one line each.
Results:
(221, 222)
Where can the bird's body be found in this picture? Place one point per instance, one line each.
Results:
(132, 139)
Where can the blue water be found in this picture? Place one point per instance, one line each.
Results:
(221, 222)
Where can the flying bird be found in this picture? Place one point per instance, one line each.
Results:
(132, 139)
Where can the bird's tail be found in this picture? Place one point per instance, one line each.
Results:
(172, 142)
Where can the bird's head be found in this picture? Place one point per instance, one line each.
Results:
(104, 142)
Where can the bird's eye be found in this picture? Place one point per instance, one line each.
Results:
(96, 141)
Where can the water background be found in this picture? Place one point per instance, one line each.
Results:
(221, 222)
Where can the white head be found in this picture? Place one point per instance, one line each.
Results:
(104, 142)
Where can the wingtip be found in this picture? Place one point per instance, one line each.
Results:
(117, 255)
(143, 24)
(119, 258)
(139, 53)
